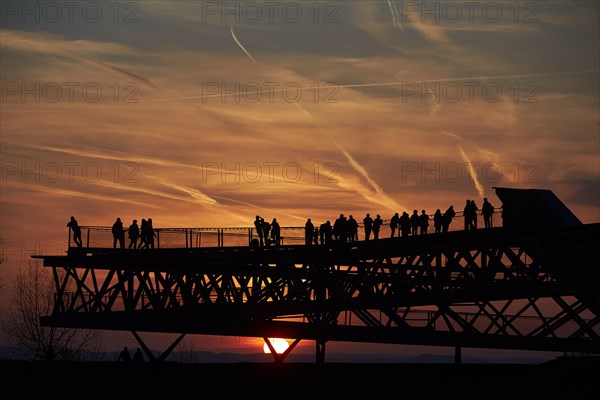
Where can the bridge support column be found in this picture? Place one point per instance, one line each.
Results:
(457, 355)
(320, 351)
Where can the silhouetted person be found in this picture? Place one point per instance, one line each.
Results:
(467, 215)
(259, 229)
(473, 211)
(377, 222)
(118, 234)
(266, 229)
(124, 355)
(415, 222)
(487, 210)
(352, 229)
(394, 223)
(447, 219)
(309, 232)
(322, 230)
(275, 232)
(143, 234)
(326, 232)
(76, 231)
(339, 228)
(134, 234)
(405, 224)
(151, 234)
(438, 220)
(138, 356)
(368, 226)
(423, 222)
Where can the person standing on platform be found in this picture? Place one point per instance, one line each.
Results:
(138, 357)
(415, 222)
(438, 220)
(151, 234)
(377, 222)
(352, 225)
(74, 225)
(134, 234)
(394, 223)
(487, 209)
(423, 222)
(275, 232)
(118, 234)
(447, 218)
(368, 226)
(259, 230)
(309, 232)
(124, 355)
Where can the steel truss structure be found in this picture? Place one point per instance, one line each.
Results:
(489, 288)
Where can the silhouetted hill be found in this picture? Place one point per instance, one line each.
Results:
(11, 353)
(248, 380)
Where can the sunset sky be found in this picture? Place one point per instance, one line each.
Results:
(205, 114)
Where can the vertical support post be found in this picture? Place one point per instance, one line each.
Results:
(457, 355)
(186, 240)
(69, 238)
(158, 238)
(320, 351)
(249, 236)
(87, 244)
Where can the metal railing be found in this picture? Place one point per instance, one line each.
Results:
(102, 237)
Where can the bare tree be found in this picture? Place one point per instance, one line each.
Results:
(184, 352)
(33, 297)
(2, 259)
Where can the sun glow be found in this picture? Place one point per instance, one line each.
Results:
(280, 345)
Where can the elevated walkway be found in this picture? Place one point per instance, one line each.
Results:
(521, 286)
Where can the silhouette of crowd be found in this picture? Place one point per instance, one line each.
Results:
(144, 233)
(125, 356)
(269, 233)
(345, 229)
(140, 236)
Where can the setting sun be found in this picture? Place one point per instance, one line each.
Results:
(280, 345)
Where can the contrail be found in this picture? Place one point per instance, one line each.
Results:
(193, 193)
(394, 12)
(89, 196)
(385, 84)
(469, 78)
(112, 68)
(239, 44)
(359, 168)
(390, 203)
(245, 203)
(472, 173)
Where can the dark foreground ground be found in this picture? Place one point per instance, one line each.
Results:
(562, 379)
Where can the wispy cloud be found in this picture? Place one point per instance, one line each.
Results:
(74, 49)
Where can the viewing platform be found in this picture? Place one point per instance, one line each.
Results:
(197, 237)
(529, 282)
